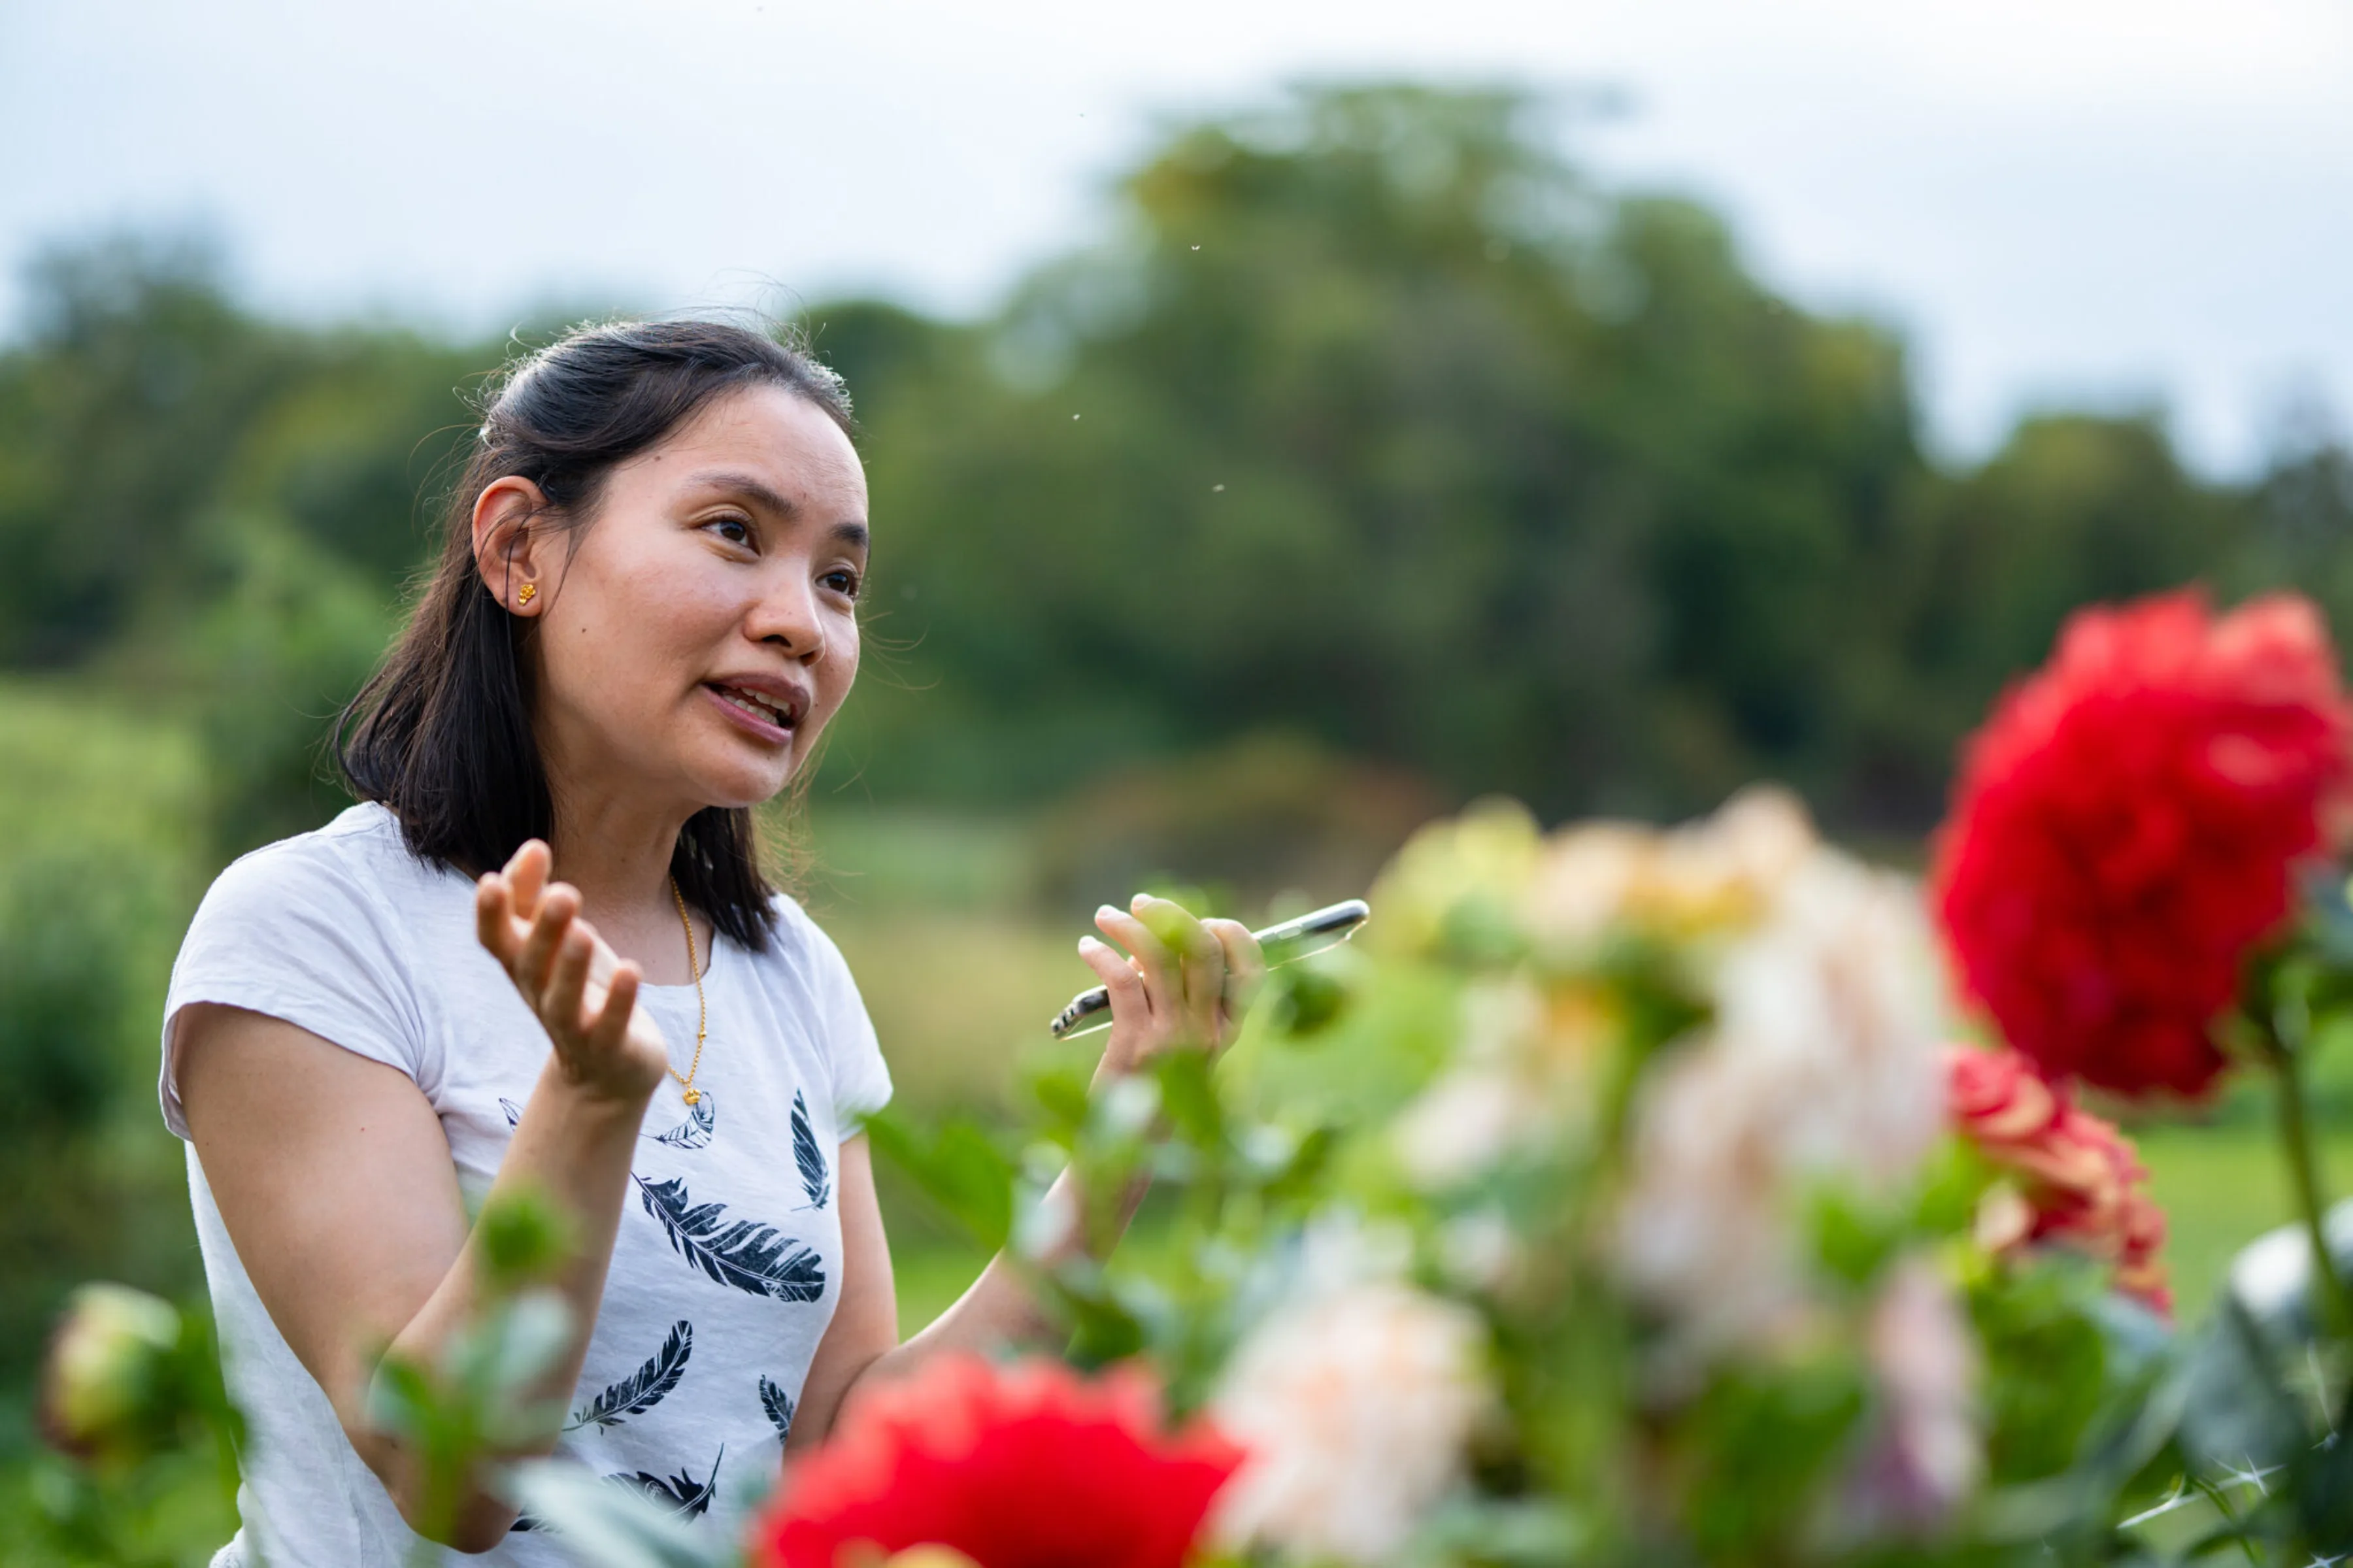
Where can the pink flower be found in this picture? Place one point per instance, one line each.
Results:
(2081, 1183)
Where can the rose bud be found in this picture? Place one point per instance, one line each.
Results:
(108, 1386)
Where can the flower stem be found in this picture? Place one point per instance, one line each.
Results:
(2296, 1138)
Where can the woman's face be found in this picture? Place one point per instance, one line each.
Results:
(692, 648)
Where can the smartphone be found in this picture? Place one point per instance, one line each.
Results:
(1284, 943)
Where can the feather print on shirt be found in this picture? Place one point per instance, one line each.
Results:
(779, 1407)
(694, 1132)
(747, 1253)
(682, 1492)
(808, 1156)
(642, 1389)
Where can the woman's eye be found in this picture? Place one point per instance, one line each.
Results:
(843, 582)
(733, 530)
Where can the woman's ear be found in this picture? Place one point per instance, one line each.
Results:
(510, 553)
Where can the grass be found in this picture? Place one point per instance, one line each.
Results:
(2221, 1187)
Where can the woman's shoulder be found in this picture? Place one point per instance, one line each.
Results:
(354, 872)
(796, 941)
(791, 922)
(312, 929)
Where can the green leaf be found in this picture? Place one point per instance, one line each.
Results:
(960, 1169)
(523, 1239)
(1310, 1157)
(1062, 1092)
(523, 1339)
(1758, 1446)
(1304, 1000)
(1853, 1242)
(2046, 1365)
(1188, 1096)
(400, 1398)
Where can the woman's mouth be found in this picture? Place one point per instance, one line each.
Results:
(768, 717)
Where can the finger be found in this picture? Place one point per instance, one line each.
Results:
(1245, 964)
(1151, 954)
(494, 922)
(1120, 977)
(559, 1006)
(548, 932)
(527, 870)
(620, 1000)
(1200, 959)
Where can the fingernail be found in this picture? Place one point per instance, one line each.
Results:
(1104, 909)
(1088, 945)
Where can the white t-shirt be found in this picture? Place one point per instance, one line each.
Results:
(728, 1261)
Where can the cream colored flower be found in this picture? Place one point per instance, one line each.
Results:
(1482, 1105)
(1522, 1070)
(1718, 874)
(1823, 1062)
(1586, 881)
(1355, 1406)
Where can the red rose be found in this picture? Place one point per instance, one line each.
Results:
(2081, 1184)
(1021, 1466)
(2124, 828)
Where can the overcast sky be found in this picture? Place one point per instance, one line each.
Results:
(2101, 201)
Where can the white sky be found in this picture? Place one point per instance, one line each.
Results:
(2097, 201)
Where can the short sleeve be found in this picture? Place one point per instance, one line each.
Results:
(861, 1079)
(293, 932)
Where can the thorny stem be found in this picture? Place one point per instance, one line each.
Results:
(2296, 1138)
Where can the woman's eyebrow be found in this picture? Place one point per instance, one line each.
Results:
(750, 487)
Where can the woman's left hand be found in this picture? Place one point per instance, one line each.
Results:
(1182, 983)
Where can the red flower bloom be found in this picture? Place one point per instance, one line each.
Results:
(2081, 1184)
(2123, 826)
(1023, 1466)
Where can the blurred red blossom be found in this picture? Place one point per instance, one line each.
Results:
(2125, 826)
(2081, 1184)
(1027, 1466)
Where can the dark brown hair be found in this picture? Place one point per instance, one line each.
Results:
(441, 734)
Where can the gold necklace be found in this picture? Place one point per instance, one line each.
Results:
(702, 1014)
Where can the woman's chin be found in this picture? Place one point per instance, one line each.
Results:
(731, 784)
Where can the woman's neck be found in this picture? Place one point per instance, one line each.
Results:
(617, 851)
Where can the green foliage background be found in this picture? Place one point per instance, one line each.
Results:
(1379, 458)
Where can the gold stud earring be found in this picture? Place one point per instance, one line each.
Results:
(526, 594)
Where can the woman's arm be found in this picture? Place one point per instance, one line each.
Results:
(1185, 983)
(334, 1179)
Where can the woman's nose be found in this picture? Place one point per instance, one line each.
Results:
(785, 615)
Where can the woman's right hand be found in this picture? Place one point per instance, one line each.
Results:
(582, 994)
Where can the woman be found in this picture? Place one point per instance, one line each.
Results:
(645, 614)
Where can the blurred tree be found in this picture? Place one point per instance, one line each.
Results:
(1379, 420)
(99, 866)
(135, 381)
(204, 504)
